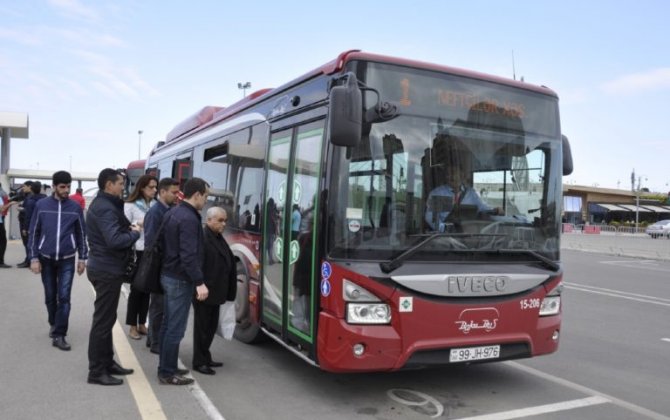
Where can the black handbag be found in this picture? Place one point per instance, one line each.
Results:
(131, 268)
(147, 276)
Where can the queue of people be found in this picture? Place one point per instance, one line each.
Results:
(198, 267)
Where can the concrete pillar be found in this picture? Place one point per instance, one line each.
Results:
(4, 150)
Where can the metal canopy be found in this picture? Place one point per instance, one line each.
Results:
(632, 207)
(657, 209)
(611, 207)
(17, 122)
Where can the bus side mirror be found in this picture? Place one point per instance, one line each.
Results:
(346, 113)
(567, 157)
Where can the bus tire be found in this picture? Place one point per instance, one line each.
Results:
(246, 331)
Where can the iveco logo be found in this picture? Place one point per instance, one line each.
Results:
(476, 284)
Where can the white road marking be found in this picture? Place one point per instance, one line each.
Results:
(665, 339)
(586, 390)
(145, 398)
(618, 293)
(651, 265)
(420, 399)
(541, 409)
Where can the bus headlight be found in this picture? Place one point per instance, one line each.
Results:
(368, 313)
(351, 292)
(551, 304)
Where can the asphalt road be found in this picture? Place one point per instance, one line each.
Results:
(612, 359)
(612, 364)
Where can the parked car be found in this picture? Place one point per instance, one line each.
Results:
(658, 229)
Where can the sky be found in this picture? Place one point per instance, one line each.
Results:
(92, 74)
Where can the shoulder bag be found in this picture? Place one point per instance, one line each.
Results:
(147, 277)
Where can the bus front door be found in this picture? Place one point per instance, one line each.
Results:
(289, 257)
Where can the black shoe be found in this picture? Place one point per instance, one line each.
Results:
(23, 265)
(175, 380)
(104, 379)
(204, 369)
(182, 372)
(3, 265)
(60, 343)
(117, 369)
(215, 364)
(155, 350)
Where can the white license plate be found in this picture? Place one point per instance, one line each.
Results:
(467, 354)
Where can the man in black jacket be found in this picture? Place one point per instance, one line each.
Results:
(221, 279)
(167, 195)
(181, 275)
(24, 222)
(110, 239)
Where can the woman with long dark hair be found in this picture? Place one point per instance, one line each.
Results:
(136, 206)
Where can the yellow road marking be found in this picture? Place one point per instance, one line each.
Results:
(145, 399)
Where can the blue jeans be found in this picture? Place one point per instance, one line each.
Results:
(57, 280)
(177, 302)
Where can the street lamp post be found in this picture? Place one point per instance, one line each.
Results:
(637, 202)
(244, 86)
(139, 144)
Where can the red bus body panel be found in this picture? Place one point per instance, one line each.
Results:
(431, 326)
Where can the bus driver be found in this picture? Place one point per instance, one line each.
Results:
(453, 177)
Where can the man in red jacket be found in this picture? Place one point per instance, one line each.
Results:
(79, 198)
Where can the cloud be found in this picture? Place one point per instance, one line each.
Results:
(573, 96)
(639, 82)
(20, 36)
(74, 9)
(112, 80)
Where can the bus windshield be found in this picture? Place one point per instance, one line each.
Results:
(475, 161)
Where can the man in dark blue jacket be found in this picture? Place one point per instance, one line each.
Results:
(167, 195)
(24, 222)
(110, 238)
(181, 275)
(56, 234)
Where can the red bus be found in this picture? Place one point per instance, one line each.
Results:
(133, 172)
(353, 251)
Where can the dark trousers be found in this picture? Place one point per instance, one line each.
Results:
(155, 321)
(205, 323)
(138, 302)
(57, 281)
(100, 345)
(24, 239)
(3, 241)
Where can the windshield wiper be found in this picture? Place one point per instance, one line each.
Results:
(396, 262)
(553, 265)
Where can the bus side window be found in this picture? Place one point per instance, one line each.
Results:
(215, 168)
(181, 170)
(250, 176)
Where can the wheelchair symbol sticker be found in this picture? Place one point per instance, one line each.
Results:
(326, 270)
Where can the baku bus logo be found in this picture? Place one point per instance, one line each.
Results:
(478, 319)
